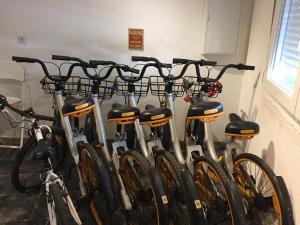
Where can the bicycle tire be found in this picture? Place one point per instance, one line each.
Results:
(279, 194)
(96, 176)
(133, 191)
(92, 138)
(185, 191)
(232, 195)
(63, 214)
(27, 148)
(166, 137)
(130, 139)
(15, 173)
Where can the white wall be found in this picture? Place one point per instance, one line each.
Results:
(278, 142)
(97, 29)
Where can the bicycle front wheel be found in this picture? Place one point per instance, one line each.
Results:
(260, 189)
(184, 200)
(96, 177)
(57, 198)
(134, 171)
(221, 202)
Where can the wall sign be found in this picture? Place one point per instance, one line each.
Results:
(135, 38)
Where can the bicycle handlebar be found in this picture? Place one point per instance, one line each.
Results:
(101, 63)
(55, 78)
(159, 66)
(94, 64)
(211, 63)
(29, 113)
(200, 62)
(239, 66)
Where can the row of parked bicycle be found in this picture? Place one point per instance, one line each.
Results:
(146, 174)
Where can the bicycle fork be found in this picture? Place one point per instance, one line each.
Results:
(115, 156)
(70, 139)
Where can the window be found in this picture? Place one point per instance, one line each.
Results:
(286, 55)
(283, 77)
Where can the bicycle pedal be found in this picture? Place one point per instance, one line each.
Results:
(83, 202)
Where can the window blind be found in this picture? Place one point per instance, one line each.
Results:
(291, 23)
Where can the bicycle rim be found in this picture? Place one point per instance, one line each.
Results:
(215, 200)
(170, 174)
(135, 177)
(91, 180)
(258, 191)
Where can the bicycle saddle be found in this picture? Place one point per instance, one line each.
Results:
(204, 109)
(122, 112)
(152, 114)
(77, 106)
(43, 151)
(240, 127)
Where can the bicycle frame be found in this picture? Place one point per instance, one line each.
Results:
(71, 139)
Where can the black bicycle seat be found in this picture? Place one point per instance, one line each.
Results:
(238, 126)
(120, 111)
(43, 151)
(204, 108)
(153, 114)
(76, 104)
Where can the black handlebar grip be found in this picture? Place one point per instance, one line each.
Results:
(61, 57)
(140, 58)
(209, 63)
(23, 59)
(180, 61)
(245, 67)
(100, 62)
(132, 70)
(129, 69)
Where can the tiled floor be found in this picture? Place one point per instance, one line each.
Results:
(20, 209)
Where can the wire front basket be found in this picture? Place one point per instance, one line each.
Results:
(106, 88)
(158, 85)
(71, 86)
(210, 89)
(195, 89)
(141, 87)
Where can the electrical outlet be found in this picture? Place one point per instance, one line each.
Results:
(21, 40)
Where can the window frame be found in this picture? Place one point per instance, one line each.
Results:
(289, 102)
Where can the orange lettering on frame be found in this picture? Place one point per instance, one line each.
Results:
(135, 38)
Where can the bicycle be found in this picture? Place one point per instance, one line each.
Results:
(60, 207)
(133, 88)
(140, 185)
(262, 196)
(223, 196)
(93, 174)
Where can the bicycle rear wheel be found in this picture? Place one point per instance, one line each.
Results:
(96, 177)
(260, 189)
(146, 203)
(221, 203)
